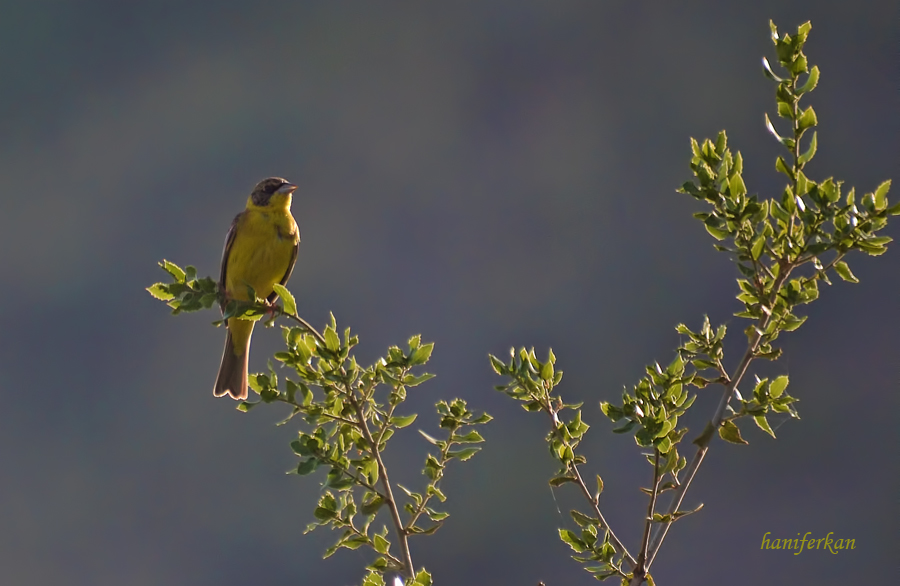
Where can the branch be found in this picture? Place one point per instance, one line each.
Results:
(717, 419)
(640, 569)
(428, 493)
(386, 483)
(595, 504)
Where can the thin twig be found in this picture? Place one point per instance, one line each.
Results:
(421, 508)
(640, 570)
(596, 506)
(357, 479)
(303, 323)
(305, 411)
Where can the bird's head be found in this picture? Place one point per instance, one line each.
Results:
(272, 192)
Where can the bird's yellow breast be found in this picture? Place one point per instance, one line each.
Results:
(261, 253)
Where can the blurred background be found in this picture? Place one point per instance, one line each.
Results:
(486, 174)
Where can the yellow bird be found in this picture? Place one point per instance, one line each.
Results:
(260, 250)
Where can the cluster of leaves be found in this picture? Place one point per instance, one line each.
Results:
(651, 410)
(533, 383)
(350, 412)
(704, 352)
(188, 293)
(810, 225)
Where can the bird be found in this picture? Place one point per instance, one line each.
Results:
(260, 250)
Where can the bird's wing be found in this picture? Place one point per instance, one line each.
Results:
(287, 274)
(229, 241)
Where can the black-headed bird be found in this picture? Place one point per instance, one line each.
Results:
(260, 250)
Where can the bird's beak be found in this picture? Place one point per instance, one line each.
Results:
(286, 188)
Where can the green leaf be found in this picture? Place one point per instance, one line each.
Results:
(810, 152)
(380, 544)
(497, 364)
(785, 110)
(811, 82)
(414, 342)
(401, 422)
(411, 380)
(160, 291)
(729, 432)
(777, 387)
(807, 119)
(758, 244)
(174, 270)
(430, 439)
(473, 437)
(782, 167)
(332, 342)
(373, 579)
(436, 515)
(844, 271)
(572, 540)
(763, 424)
(767, 70)
(547, 371)
(423, 578)
(337, 480)
(881, 195)
(481, 419)
(625, 428)
(792, 322)
(413, 495)
(774, 132)
(721, 143)
(679, 514)
(716, 233)
(798, 65)
(463, 454)
(736, 185)
(290, 306)
(371, 507)
(422, 354)
(695, 148)
(560, 480)
(676, 367)
(324, 514)
(307, 466)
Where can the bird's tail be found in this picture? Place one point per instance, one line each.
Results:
(232, 377)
